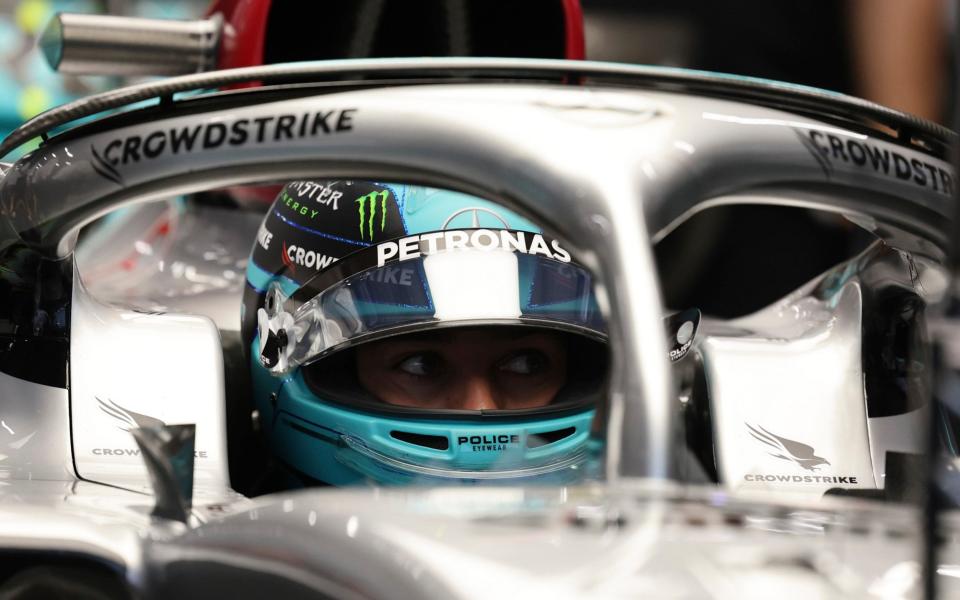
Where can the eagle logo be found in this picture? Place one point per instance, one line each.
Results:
(787, 449)
(127, 418)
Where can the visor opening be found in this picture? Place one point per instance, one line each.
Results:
(537, 440)
(437, 442)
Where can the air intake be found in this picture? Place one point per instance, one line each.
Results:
(536, 440)
(437, 442)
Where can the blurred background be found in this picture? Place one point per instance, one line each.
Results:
(28, 86)
(889, 51)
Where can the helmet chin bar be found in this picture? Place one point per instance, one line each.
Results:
(342, 444)
(383, 468)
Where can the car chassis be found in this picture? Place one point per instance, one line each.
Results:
(609, 158)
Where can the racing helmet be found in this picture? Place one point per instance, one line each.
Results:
(342, 264)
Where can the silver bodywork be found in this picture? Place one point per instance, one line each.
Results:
(114, 351)
(603, 168)
(797, 366)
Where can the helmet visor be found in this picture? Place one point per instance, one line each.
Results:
(445, 278)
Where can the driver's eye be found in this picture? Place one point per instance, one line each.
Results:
(525, 362)
(424, 364)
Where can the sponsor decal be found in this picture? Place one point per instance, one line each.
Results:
(424, 244)
(678, 353)
(103, 167)
(211, 135)
(682, 329)
(264, 236)
(801, 478)
(797, 453)
(321, 194)
(296, 255)
(290, 232)
(367, 206)
(127, 420)
(827, 149)
(393, 275)
(301, 208)
(787, 449)
(489, 442)
(135, 452)
(557, 282)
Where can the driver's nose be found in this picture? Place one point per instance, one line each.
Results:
(478, 394)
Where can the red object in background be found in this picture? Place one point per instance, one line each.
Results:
(244, 33)
(573, 30)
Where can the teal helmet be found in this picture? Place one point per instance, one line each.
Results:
(341, 264)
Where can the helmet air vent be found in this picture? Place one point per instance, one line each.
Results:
(536, 440)
(437, 442)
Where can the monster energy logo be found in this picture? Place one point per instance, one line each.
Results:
(369, 202)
